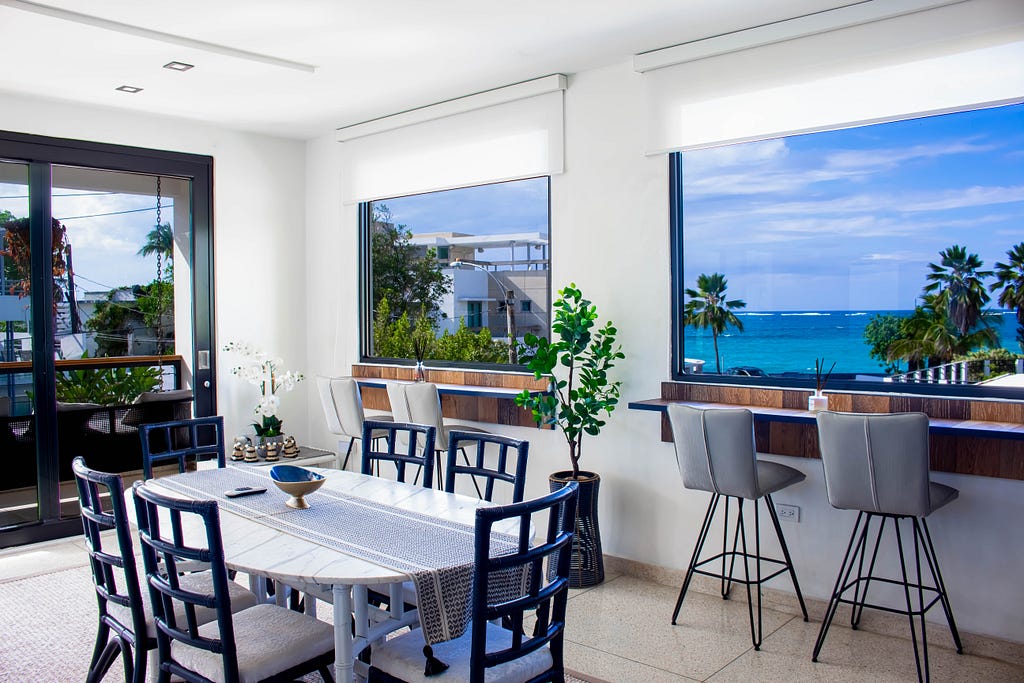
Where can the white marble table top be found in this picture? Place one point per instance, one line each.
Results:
(252, 547)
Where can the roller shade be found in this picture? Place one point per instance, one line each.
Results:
(943, 59)
(521, 138)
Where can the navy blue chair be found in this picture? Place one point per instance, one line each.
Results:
(507, 469)
(180, 440)
(488, 651)
(402, 444)
(115, 576)
(246, 645)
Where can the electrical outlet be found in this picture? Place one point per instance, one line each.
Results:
(789, 513)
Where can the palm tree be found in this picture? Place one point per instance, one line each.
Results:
(709, 309)
(957, 281)
(929, 338)
(1010, 283)
(159, 241)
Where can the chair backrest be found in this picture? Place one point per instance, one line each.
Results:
(715, 449)
(161, 533)
(425, 409)
(876, 463)
(542, 594)
(342, 404)
(403, 444)
(399, 403)
(508, 469)
(179, 440)
(114, 571)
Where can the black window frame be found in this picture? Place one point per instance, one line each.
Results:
(41, 153)
(365, 220)
(678, 299)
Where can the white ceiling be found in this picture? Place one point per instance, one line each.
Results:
(371, 59)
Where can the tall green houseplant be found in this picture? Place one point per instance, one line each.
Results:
(581, 393)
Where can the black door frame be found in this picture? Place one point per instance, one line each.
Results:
(41, 154)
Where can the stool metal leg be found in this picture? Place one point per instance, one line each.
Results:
(785, 551)
(755, 633)
(842, 577)
(910, 608)
(933, 565)
(701, 537)
(727, 577)
(860, 599)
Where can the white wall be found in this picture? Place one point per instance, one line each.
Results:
(610, 236)
(259, 229)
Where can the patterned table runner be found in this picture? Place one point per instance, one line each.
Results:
(436, 553)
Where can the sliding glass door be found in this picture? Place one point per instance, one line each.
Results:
(107, 315)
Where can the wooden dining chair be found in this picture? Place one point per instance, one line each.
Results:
(402, 444)
(508, 456)
(196, 438)
(262, 643)
(125, 624)
(488, 651)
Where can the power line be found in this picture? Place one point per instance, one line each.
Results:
(111, 213)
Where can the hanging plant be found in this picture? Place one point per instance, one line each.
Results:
(17, 249)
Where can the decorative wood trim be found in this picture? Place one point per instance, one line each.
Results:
(493, 407)
(983, 438)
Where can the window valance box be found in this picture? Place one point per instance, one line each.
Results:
(503, 134)
(942, 59)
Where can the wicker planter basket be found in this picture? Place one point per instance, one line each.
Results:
(587, 563)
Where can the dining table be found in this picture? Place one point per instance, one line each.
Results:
(359, 532)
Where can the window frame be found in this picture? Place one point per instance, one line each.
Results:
(677, 297)
(365, 220)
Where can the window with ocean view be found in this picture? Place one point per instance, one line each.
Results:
(894, 251)
(457, 276)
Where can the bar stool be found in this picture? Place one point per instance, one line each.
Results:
(878, 465)
(715, 453)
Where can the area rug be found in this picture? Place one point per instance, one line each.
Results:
(48, 623)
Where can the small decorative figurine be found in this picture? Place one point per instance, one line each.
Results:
(272, 451)
(250, 454)
(291, 450)
(238, 452)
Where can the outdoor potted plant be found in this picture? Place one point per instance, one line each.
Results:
(580, 395)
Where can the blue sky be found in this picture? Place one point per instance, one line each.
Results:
(517, 206)
(849, 219)
(104, 247)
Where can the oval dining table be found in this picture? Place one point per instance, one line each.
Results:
(255, 547)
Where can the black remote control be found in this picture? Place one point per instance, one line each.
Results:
(245, 491)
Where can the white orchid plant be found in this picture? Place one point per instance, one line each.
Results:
(265, 371)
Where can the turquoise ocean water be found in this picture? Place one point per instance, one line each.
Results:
(789, 341)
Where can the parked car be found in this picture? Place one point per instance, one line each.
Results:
(746, 371)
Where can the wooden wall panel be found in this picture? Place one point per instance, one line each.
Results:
(981, 456)
(489, 409)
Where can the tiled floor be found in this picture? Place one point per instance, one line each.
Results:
(620, 632)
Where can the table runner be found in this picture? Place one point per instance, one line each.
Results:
(436, 553)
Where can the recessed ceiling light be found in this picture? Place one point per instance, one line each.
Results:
(128, 88)
(178, 66)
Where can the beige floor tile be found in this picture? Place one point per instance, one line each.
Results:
(631, 618)
(613, 668)
(855, 656)
(42, 558)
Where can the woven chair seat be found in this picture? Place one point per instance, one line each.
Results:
(402, 658)
(269, 640)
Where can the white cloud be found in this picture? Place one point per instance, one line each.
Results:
(875, 159)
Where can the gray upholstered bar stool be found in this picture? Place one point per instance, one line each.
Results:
(715, 453)
(878, 465)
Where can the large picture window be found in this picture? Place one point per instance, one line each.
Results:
(894, 251)
(458, 276)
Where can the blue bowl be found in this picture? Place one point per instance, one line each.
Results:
(296, 482)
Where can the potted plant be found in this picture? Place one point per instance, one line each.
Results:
(580, 395)
(264, 371)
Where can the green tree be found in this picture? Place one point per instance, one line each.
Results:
(160, 242)
(1010, 285)
(411, 282)
(880, 333)
(929, 337)
(957, 282)
(118, 316)
(709, 309)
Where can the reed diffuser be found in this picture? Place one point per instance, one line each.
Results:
(818, 401)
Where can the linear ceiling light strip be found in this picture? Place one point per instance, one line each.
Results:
(140, 32)
(810, 24)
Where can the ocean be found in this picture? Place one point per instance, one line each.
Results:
(789, 341)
